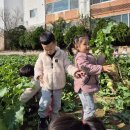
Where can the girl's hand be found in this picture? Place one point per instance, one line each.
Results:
(79, 74)
(107, 68)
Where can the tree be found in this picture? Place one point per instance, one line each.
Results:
(58, 30)
(30, 39)
(11, 20)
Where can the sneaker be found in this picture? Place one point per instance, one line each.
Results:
(43, 123)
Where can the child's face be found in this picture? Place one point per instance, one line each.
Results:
(50, 48)
(83, 45)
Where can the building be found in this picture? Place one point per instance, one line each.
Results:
(118, 10)
(13, 13)
(71, 10)
(1, 25)
(26, 12)
(34, 13)
(31, 13)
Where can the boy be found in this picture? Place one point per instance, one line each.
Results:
(50, 71)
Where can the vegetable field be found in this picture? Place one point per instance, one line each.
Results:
(112, 101)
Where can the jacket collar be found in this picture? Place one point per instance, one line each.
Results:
(57, 52)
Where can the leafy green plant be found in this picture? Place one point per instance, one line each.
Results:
(30, 39)
(58, 28)
(12, 37)
(11, 87)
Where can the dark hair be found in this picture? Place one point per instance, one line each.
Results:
(27, 70)
(67, 123)
(97, 123)
(116, 49)
(46, 38)
(77, 40)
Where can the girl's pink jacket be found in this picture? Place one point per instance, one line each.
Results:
(95, 68)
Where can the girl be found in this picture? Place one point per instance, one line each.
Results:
(87, 85)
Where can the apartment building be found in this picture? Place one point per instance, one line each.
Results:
(71, 10)
(27, 12)
(34, 13)
(118, 10)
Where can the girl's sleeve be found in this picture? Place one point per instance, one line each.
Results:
(38, 69)
(82, 61)
(70, 69)
(101, 60)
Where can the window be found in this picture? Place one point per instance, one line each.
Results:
(97, 1)
(60, 5)
(117, 18)
(104, 0)
(33, 13)
(74, 4)
(125, 19)
(49, 8)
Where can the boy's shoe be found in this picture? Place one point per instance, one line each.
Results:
(43, 123)
(91, 118)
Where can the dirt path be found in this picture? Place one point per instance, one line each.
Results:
(19, 52)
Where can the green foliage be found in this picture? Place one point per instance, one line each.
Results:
(114, 94)
(58, 30)
(11, 87)
(69, 97)
(103, 41)
(12, 37)
(59, 38)
(30, 39)
(100, 24)
(120, 32)
(119, 92)
(70, 34)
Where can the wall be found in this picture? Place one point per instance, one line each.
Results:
(110, 8)
(39, 19)
(1, 42)
(1, 26)
(67, 15)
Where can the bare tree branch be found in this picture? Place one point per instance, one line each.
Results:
(10, 18)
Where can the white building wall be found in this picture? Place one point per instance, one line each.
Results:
(39, 18)
(1, 13)
(1, 25)
(84, 7)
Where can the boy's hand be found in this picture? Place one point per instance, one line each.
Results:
(79, 74)
(40, 79)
